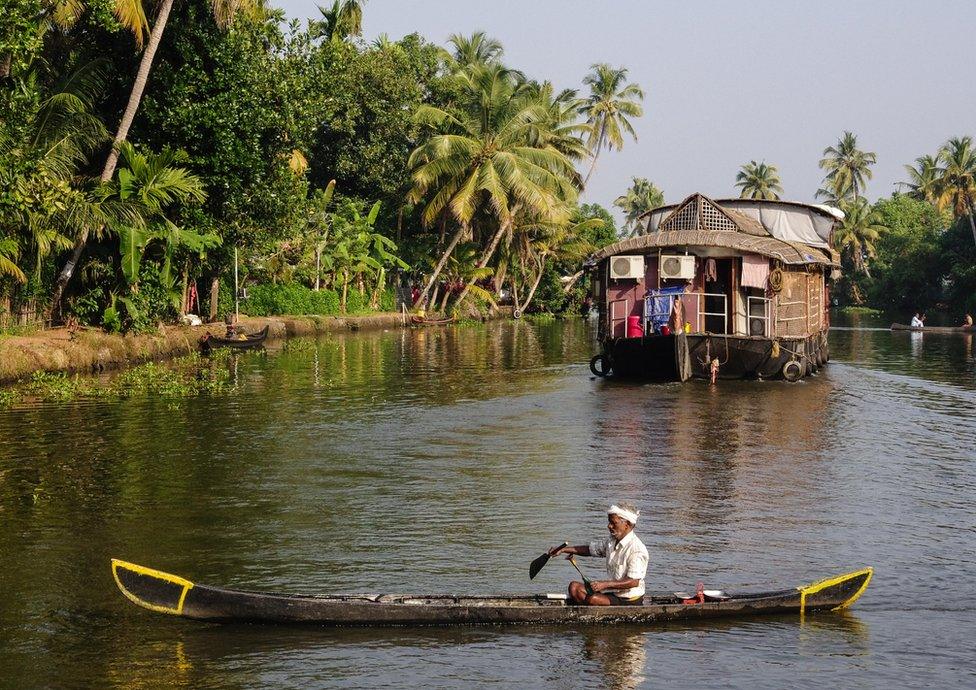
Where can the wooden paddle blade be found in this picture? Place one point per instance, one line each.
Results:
(540, 562)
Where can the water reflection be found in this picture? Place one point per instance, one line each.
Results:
(444, 460)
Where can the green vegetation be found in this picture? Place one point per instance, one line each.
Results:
(179, 378)
(142, 147)
(642, 196)
(758, 181)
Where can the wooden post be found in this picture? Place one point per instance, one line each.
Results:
(214, 291)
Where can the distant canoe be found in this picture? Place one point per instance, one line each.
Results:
(934, 329)
(249, 342)
(165, 593)
(424, 321)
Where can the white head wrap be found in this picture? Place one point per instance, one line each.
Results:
(624, 513)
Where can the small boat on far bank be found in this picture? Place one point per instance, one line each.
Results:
(245, 342)
(417, 320)
(934, 329)
(165, 593)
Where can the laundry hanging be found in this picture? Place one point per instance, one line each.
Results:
(755, 271)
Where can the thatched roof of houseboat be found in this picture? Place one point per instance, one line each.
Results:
(790, 253)
(701, 222)
(790, 221)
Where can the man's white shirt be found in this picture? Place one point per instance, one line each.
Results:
(626, 560)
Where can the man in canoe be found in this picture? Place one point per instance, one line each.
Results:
(626, 562)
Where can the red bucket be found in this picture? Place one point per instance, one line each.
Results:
(634, 328)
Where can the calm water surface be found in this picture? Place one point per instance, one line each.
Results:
(445, 460)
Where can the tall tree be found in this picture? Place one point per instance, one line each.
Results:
(858, 232)
(132, 15)
(758, 181)
(956, 186)
(476, 49)
(848, 168)
(607, 109)
(486, 159)
(340, 21)
(923, 178)
(642, 196)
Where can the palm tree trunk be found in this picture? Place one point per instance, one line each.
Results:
(538, 279)
(486, 256)
(572, 281)
(422, 301)
(599, 145)
(135, 96)
(972, 224)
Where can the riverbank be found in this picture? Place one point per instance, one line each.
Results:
(87, 350)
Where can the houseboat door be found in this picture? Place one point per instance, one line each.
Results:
(718, 297)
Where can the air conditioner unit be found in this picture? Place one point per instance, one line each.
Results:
(677, 267)
(627, 267)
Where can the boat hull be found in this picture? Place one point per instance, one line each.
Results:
(166, 593)
(211, 342)
(680, 357)
(934, 329)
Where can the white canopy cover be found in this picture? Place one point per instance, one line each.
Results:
(789, 221)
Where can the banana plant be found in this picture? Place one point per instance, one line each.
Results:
(156, 182)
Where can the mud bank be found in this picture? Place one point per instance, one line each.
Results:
(89, 350)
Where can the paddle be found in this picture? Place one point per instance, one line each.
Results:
(586, 580)
(537, 565)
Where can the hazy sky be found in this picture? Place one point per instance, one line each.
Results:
(727, 82)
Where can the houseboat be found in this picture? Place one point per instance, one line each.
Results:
(727, 288)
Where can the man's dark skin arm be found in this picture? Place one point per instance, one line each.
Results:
(596, 585)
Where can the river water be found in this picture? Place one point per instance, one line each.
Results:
(444, 460)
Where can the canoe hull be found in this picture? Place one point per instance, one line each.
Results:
(212, 342)
(934, 329)
(171, 594)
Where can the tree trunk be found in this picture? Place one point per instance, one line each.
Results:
(135, 96)
(214, 298)
(5, 65)
(375, 299)
(345, 290)
(599, 145)
(318, 268)
(572, 281)
(538, 279)
(486, 255)
(422, 300)
(972, 224)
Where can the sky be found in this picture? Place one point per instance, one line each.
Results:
(729, 82)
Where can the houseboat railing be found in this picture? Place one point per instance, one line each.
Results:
(758, 308)
(613, 318)
(702, 296)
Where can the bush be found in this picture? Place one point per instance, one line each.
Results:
(297, 300)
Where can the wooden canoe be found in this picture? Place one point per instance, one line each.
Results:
(934, 329)
(165, 593)
(210, 342)
(416, 320)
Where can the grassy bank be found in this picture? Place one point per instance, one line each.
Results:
(91, 350)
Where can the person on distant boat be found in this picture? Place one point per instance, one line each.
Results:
(968, 321)
(626, 562)
(918, 321)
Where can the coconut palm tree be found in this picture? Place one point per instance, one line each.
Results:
(552, 242)
(642, 196)
(923, 178)
(476, 49)
(132, 15)
(340, 21)
(758, 181)
(847, 166)
(857, 233)
(487, 159)
(607, 109)
(956, 185)
(561, 127)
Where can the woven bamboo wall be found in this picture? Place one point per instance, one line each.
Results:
(799, 305)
